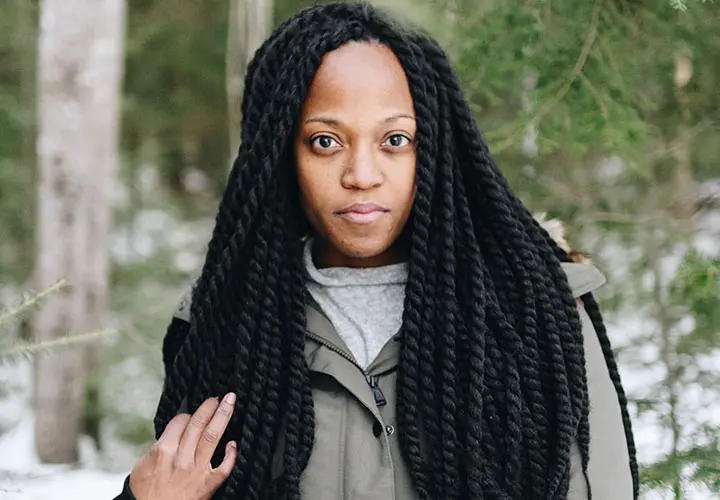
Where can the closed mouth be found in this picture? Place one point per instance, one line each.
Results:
(363, 214)
(362, 208)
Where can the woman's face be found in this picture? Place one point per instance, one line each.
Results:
(355, 153)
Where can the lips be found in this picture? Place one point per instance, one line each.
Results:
(363, 213)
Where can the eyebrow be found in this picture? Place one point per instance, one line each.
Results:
(335, 122)
(397, 116)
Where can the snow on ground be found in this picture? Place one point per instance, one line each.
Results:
(73, 485)
(22, 477)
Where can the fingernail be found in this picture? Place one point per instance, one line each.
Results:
(232, 446)
(230, 399)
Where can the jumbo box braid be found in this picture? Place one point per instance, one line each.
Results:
(491, 382)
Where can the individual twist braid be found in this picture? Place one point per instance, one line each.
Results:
(593, 311)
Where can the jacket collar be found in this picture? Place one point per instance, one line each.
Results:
(582, 278)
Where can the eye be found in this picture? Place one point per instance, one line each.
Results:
(324, 142)
(397, 141)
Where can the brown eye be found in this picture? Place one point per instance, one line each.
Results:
(324, 142)
(397, 141)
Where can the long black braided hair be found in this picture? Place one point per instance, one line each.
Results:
(491, 385)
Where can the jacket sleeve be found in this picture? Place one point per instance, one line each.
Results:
(126, 493)
(608, 467)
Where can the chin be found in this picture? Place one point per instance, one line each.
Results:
(360, 247)
(363, 247)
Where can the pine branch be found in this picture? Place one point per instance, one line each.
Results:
(30, 302)
(596, 94)
(29, 350)
(574, 74)
(579, 64)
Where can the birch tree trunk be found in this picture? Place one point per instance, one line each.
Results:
(81, 50)
(249, 24)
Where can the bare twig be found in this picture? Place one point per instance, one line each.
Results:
(137, 339)
(675, 146)
(621, 218)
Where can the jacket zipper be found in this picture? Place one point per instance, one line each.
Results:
(374, 387)
(335, 349)
(372, 382)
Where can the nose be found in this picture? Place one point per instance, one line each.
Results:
(362, 171)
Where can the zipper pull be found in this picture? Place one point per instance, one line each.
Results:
(376, 391)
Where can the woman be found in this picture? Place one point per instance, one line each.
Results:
(386, 317)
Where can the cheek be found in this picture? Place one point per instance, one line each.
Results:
(308, 196)
(313, 189)
(304, 177)
(405, 182)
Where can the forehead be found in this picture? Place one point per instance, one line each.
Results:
(359, 76)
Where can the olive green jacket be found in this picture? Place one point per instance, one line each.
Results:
(357, 453)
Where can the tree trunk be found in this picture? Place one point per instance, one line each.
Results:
(79, 89)
(668, 359)
(25, 40)
(249, 24)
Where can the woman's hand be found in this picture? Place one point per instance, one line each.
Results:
(178, 467)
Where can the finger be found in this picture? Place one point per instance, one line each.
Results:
(165, 449)
(219, 474)
(174, 430)
(210, 437)
(198, 421)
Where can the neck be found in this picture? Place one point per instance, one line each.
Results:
(325, 255)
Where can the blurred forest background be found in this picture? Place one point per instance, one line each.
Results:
(118, 123)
